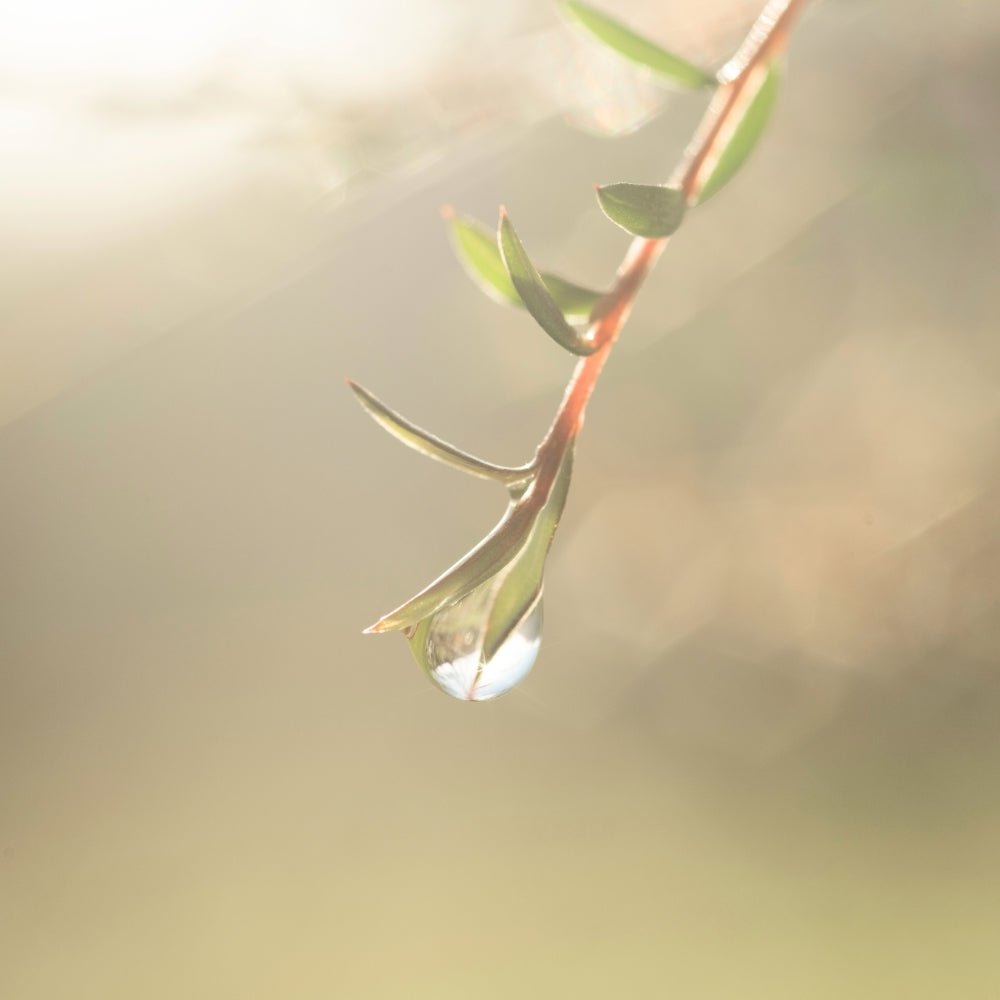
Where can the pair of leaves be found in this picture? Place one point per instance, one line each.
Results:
(479, 251)
(502, 267)
(638, 49)
(513, 554)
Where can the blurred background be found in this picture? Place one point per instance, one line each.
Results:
(759, 754)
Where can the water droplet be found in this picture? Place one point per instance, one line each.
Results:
(453, 648)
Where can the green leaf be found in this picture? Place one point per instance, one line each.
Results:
(513, 553)
(537, 298)
(574, 300)
(638, 49)
(522, 585)
(486, 560)
(477, 249)
(745, 135)
(431, 446)
(649, 210)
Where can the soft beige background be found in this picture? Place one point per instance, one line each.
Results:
(759, 755)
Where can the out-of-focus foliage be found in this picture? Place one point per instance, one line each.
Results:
(637, 48)
(746, 134)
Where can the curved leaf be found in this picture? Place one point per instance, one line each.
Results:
(477, 249)
(537, 298)
(574, 300)
(431, 446)
(523, 583)
(513, 552)
(474, 568)
(649, 210)
(637, 49)
(745, 135)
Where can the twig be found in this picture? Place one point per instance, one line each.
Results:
(738, 82)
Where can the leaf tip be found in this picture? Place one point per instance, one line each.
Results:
(447, 213)
(365, 399)
(359, 391)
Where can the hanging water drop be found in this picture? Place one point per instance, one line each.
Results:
(451, 649)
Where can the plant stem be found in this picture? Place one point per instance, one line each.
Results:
(739, 80)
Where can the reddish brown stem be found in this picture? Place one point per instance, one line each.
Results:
(738, 82)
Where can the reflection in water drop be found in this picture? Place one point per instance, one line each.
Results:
(453, 651)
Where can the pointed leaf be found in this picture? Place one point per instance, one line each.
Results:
(487, 559)
(523, 583)
(536, 297)
(649, 210)
(431, 446)
(636, 48)
(574, 300)
(477, 249)
(516, 546)
(745, 135)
